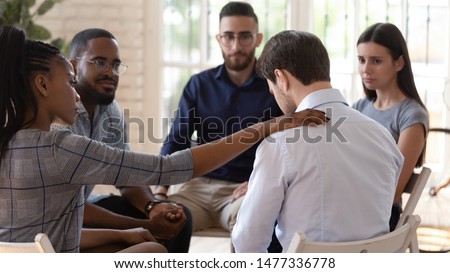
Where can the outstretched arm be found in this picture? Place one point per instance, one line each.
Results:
(212, 155)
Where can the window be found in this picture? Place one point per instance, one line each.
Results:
(424, 25)
(189, 46)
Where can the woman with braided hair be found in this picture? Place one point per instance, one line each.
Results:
(43, 171)
(28, 205)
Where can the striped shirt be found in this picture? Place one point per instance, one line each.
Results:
(43, 173)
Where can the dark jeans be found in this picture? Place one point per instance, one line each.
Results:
(395, 215)
(178, 244)
(275, 246)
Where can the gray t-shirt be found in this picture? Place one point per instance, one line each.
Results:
(397, 118)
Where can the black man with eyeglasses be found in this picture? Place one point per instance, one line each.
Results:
(95, 56)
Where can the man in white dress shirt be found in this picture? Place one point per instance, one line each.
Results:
(334, 182)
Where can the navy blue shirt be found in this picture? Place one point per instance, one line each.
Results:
(214, 106)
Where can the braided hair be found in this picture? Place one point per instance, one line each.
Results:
(21, 59)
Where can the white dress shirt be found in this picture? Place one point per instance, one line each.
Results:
(334, 182)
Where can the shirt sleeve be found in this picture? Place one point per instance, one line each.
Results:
(183, 127)
(413, 114)
(359, 104)
(263, 201)
(84, 161)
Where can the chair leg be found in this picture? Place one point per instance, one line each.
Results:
(414, 245)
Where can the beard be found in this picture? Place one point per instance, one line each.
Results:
(235, 65)
(93, 94)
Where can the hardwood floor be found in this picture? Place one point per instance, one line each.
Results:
(210, 245)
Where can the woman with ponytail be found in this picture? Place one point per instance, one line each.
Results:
(392, 98)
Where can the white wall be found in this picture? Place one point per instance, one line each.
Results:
(133, 23)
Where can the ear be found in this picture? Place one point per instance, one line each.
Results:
(259, 38)
(74, 64)
(399, 63)
(40, 81)
(281, 79)
(218, 39)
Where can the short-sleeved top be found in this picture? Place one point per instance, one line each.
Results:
(397, 118)
(42, 176)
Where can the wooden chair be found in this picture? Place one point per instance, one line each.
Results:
(414, 189)
(41, 244)
(395, 241)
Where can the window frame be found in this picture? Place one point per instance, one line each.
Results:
(299, 17)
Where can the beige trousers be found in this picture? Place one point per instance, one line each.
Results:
(208, 200)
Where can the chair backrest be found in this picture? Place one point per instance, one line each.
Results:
(395, 241)
(41, 244)
(414, 188)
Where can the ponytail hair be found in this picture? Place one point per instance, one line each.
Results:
(20, 58)
(390, 37)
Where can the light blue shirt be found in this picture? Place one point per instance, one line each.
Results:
(334, 182)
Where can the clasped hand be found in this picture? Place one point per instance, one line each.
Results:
(166, 220)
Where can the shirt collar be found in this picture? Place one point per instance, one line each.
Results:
(222, 74)
(320, 97)
(81, 109)
(98, 111)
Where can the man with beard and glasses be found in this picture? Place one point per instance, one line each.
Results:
(94, 54)
(216, 103)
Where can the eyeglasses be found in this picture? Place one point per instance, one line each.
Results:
(244, 39)
(102, 65)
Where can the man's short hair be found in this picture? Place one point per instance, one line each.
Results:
(301, 53)
(80, 40)
(238, 9)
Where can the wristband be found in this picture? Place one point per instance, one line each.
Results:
(149, 206)
(161, 194)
